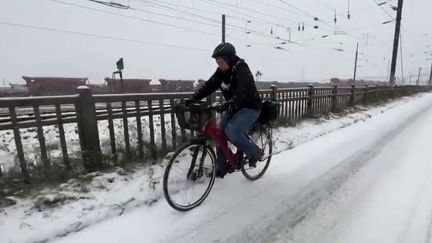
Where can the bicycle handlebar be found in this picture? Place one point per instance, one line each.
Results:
(216, 106)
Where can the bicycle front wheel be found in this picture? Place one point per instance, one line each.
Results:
(189, 175)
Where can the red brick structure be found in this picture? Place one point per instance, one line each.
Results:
(130, 85)
(176, 85)
(53, 85)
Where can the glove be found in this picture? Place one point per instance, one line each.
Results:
(230, 106)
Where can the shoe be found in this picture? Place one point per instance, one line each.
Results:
(254, 160)
(220, 174)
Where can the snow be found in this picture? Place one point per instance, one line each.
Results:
(77, 204)
(31, 143)
(122, 206)
(389, 200)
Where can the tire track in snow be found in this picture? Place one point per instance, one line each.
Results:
(296, 208)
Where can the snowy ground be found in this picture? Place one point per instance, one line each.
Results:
(32, 149)
(306, 195)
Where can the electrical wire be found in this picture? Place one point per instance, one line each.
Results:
(97, 35)
(236, 28)
(275, 6)
(319, 19)
(132, 17)
(122, 15)
(380, 6)
(249, 10)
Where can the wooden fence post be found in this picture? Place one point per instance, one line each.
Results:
(273, 94)
(41, 138)
(352, 99)
(62, 137)
(88, 129)
(334, 99)
(394, 91)
(18, 144)
(153, 149)
(139, 130)
(365, 97)
(376, 93)
(126, 130)
(310, 111)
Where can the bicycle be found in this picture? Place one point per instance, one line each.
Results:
(195, 161)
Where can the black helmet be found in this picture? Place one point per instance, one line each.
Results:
(224, 49)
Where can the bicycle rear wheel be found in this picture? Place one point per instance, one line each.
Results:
(189, 175)
(262, 137)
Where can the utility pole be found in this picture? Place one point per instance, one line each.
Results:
(430, 77)
(355, 64)
(223, 28)
(401, 57)
(418, 79)
(396, 41)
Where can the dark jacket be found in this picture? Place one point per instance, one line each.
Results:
(237, 86)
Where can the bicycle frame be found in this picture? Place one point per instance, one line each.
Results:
(211, 129)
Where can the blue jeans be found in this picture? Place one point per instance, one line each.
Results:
(235, 127)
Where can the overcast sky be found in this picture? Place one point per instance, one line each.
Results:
(173, 39)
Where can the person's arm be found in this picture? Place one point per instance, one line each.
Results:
(208, 87)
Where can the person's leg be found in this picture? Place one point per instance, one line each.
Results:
(237, 128)
(221, 160)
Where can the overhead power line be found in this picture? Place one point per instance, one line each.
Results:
(255, 18)
(160, 4)
(296, 8)
(98, 35)
(380, 5)
(111, 4)
(252, 11)
(189, 7)
(231, 27)
(319, 19)
(275, 6)
(132, 17)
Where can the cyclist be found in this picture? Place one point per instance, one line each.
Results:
(243, 103)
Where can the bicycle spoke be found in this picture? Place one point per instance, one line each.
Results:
(183, 190)
(262, 139)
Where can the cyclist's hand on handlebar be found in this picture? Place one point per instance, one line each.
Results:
(230, 106)
(224, 107)
(216, 106)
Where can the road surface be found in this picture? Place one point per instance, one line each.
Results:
(369, 182)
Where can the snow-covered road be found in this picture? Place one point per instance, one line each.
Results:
(369, 182)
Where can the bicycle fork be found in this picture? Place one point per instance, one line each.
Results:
(195, 174)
